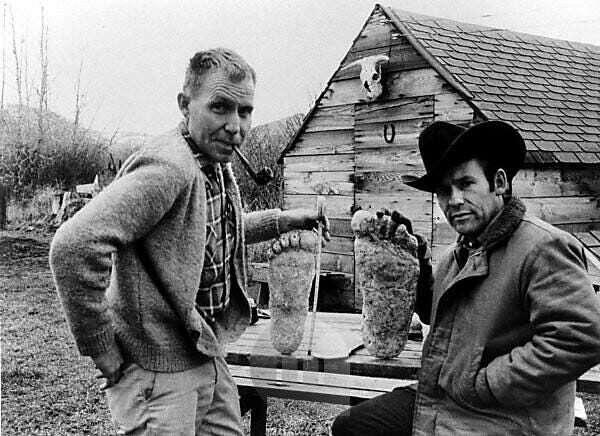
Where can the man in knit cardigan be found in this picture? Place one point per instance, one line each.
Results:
(151, 274)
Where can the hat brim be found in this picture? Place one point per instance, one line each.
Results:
(493, 140)
(427, 182)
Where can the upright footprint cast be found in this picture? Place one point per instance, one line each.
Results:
(386, 274)
(291, 272)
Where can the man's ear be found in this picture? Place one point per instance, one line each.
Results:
(500, 182)
(183, 102)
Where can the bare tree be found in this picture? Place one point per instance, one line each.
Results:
(42, 91)
(25, 68)
(48, 153)
(4, 191)
(3, 56)
(16, 54)
(79, 102)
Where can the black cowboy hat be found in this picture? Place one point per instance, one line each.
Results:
(444, 145)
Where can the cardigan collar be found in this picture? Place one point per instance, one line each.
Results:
(202, 160)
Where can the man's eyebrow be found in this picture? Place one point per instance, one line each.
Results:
(219, 96)
(463, 177)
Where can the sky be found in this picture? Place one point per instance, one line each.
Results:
(132, 54)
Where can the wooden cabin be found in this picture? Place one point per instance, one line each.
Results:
(353, 151)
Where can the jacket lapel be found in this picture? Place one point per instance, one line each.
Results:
(476, 267)
(499, 230)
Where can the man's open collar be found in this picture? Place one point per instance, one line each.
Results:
(500, 228)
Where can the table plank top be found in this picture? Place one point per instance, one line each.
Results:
(254, 348)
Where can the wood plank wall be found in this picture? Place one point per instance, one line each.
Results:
(568, 197)
(341, 152)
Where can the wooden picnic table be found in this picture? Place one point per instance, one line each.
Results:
(254, 349)
(261, 371)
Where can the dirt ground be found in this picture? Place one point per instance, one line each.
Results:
(47, 389)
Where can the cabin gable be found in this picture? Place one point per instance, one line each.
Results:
(354, 151)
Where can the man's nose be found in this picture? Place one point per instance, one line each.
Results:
(456, 197)
(232, 125)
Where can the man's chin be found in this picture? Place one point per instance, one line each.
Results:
(463, 228)
(468, 230)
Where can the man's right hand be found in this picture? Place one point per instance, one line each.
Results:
(425, 282)
(422, 250)
(303, 219)
(111, 368)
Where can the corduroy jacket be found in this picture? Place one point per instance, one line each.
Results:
(510, 333)
(157, 204)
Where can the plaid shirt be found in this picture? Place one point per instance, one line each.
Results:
(213, 294)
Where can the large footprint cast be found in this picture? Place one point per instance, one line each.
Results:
(387, 270)
(291, 272)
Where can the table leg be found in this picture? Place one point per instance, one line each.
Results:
(258, 419)
(246, 400)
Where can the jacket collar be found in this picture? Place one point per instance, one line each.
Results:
(500, 228)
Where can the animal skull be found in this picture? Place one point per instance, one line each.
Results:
(370, 74)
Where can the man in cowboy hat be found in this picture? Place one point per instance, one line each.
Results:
(513, 315)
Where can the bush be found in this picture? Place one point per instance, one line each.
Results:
(35, 209)
(56, 153)
(262, 148)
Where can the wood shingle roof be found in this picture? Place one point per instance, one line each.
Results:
(549, 89)
(591, 241)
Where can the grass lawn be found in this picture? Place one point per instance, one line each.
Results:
(47, 389)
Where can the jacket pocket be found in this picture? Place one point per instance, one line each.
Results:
(464, 386)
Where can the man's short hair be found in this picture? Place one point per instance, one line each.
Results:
(489, 170)
(214, 59)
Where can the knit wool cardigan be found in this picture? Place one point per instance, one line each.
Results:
(157, 203)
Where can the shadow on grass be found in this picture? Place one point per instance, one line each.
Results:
(21, 376)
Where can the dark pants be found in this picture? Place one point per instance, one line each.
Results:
(388, 414)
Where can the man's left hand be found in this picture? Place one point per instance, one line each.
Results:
(111, 368)
(303, 219)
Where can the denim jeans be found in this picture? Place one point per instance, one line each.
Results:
(199, 401)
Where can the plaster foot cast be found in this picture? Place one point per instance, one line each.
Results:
(386, 274)
(291, 272)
